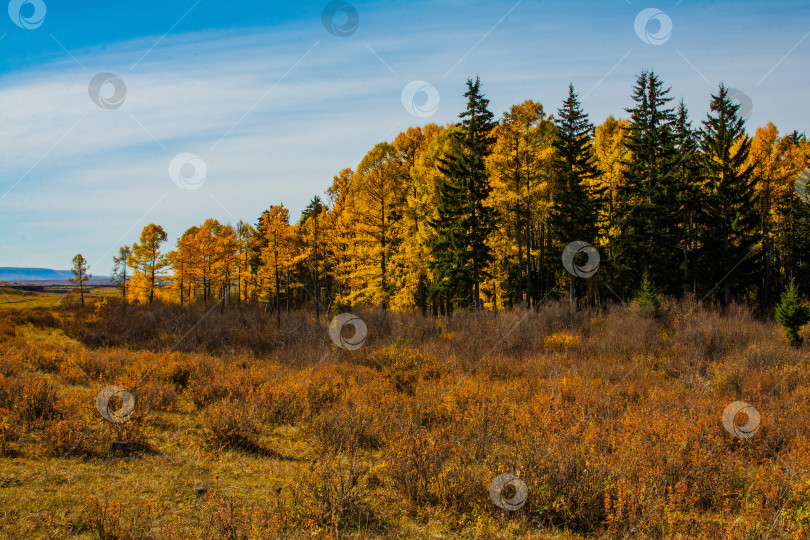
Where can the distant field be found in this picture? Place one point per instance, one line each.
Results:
(15, 297)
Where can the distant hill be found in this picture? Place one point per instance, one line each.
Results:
(12, 274)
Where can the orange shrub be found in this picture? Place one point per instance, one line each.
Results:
(230, 424)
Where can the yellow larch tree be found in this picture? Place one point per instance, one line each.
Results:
(244, 235)
(185, 262)
(776, 162)
(519, 167)
(340, 222)
(611, 157)
(206, 246)
(225, 246)
(420, 149)
(148, 263)
(278, 256)
(379, 193)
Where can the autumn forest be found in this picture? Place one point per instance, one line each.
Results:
(476, 215)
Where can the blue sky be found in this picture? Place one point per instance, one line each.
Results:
(274, 105)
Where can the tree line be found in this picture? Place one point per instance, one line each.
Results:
(475, 215)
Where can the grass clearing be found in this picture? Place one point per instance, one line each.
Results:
(51, 297)
(612, 420)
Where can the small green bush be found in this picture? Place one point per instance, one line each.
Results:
(648, 302)
(792, 314)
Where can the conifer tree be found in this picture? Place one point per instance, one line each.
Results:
(465, 221)
(771, 177)
(793, 214)
(279, 254)
(574, 210)
(183, 264)
(649, 215)
(520, 167)
(148, 260)
(689, 189)
(730, 210)
(311, 225)
(341, 223)
(415, 256)
(611, 159)
(418, 148)
(381, 182)
(648, 301)
(792, 314)
(244, 235)
(449, 276)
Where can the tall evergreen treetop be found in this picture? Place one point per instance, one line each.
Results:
(731, 212)
(477, 121)
(649, 219)
(575, 202)
(462, 255)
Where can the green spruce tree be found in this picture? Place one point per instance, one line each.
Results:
(730, 213)
(792, 314)
(462, 256)
(649, 214)
(574, 210)
(689, 190)
(647, 301)
(313, 212)
(449, 275)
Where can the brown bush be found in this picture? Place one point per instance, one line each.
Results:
(33, 398)
(344, 428)
(191, 328)
(231, 425)
(281, 401)
(66, 437)
(8, 432)
(117, 519)
(155, 396)
(339, 493)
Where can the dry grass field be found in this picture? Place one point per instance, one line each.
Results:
(11, 297)
(244, 430)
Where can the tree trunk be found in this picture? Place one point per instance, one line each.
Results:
(278, 297)
(317, 307)
(528, 246)
(520, 256)
(238, 282)
(476, 290)
(573, 291)
(422, 295)
(726, 285)
(152, 284)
